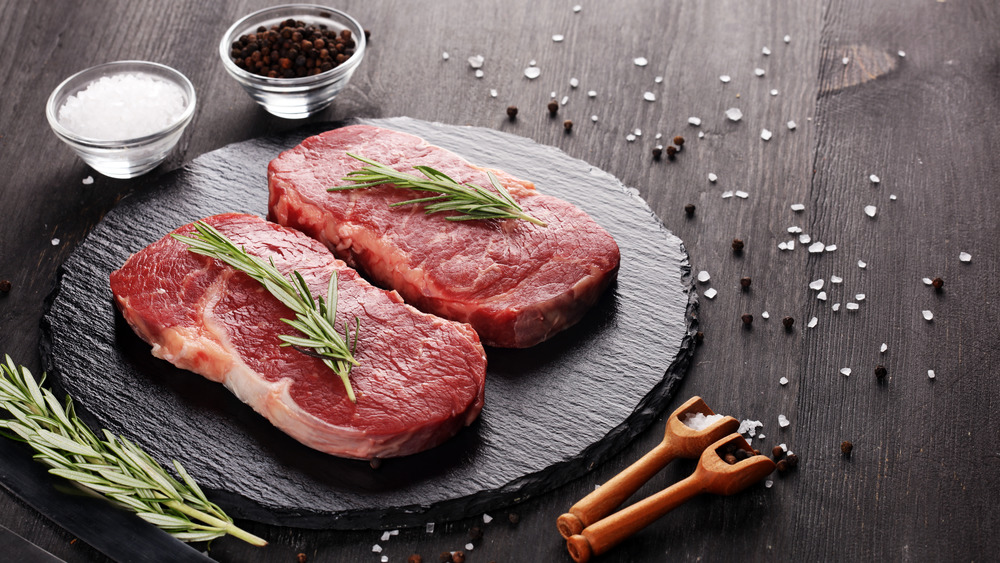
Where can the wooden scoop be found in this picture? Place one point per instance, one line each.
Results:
(679, 440)
(712, 475)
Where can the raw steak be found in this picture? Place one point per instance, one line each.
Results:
(420, 380)
(516, 283)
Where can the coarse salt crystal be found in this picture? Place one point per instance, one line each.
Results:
(592, 93)
(638, 132)
(790, 244)
(469, 547)
(768, 484)
(649, 96)
(859, 297)
(704, 276)
(564, 100)
(734, 114)
(892, 197)
(965, 257)
(377, 548)
(55, 242)
(804, 238)
(577, 8)
(741, 194)
(712, 177)
(384, 559)
(727, 194)
(930, 374)
(928, 316)
(123, 106)
(476, 61)
(794, 230)
(796, 207)
(836, 279)
(532, 72)
(821, 296)
(787, 39)
(725, 78)
(493, 93)
(765, 134)
(845, 60)
(696, 121)
(901, 54)
(758, 71)
(783, 381)
(487, 518)
(835, 307)
(765, 315)
(845, 371)
(783, 421)
(782, 246)
(593, 118)
(791, 125)
(874, 179)
(765, 51)
(830, 247)
(640, 61)
(816, 284)
(711, 293)
(852, 306)
(630, 137)
(479, 73)
(385, 536)
(700, 421)
(574, 82)
(812, 322)
(658, 79)
(870, 210)
(532, 62)
(445, 55)
(557, 38)
(88, 180)
(883, 348)
(816, 247)
(774, 92)
(749, 427)
(429, 527)
(927, 281)
(862, 264)
(701, 134)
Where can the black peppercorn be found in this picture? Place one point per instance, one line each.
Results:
(689, 209)
(745, 282)
(747, 319)
(475, 533)
(742, 454)
(553, 107)
(880, 372)
(938, 284)
(415, 558)
(458, 557)
(777, 452)
(513, 518)
(445, 557)
(678, 140)
(737, 245)
(788, 322)
(729, 458)
(671, 151)
(783, 466)
(846, 448)
(699, 337)
(568, 125)
(657, 152)
(5, 286)
(793, 461)
(301, 558)
(512, 112)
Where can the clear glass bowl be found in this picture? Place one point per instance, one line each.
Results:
(122, 158)
(294, 98)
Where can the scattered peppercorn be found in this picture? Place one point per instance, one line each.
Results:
(880, 372)
(938, 283)
(553, 107)
(671, 151)
(745, 282)
(729, 458)
(568, 125)
(445, 557)
(793, 461)
(699, 337)
(747, 319)
(742, 454)
(415, 558)
(301, 558)
(5, 286)
(458, 557)
(513, 518)
(782, 466)
(689, 209)
(777, 452)
(846, 448)
(292, 49)
(512, 112)
(475, 533)
(657, 152)
(788, 322)
(678, 140)
(737, 245)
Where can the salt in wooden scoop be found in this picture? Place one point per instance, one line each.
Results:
(713, 474)
(679, 440)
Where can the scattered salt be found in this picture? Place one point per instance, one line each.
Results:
(768, 484)
(564, 100)
(577, 8)
(791, 245)
(574, 82)
(658, 79)
(796, 207)
(532, 62)
(845, 60)
(791, 125)
(930, 374)
(734, 114)
(816, 284)
(870, 210)
(557, 38)
(812, 322)
(469, 547)
(727, 194)
(927, 281)
(649, 97)
(862, 264)
(821, 296)
(638, 132)
(765, 134)
(874, 179)
(787, 39)
(55, 242)
(741, 194)
(532, 72)
(493, 93)
(88, 180)
(836, 279)
(592, 93)
(783, 381)
(696, 121)
(901, 54)
(640, 61)
(783, 421)
(758, 71)
(377, 548)
(830, 247)
(725, 78)
(765, 51)
(782, 245)
(765, 315)
(804, 238)
(385, 536)
(749, 427)
(630, 137)
(859, 297)
(658, 136)
(384, 559)
(700, 421)
(892, 197)
(476, 61)
(883, 348)
(479, 73)
(429, 528)
(593, 118)
(965, 257)
(928, 316)
(852, 306)
(123, 106)
(845, 371)
(835, 307)
(701, 134)
(712, 177)
(711, 293)
(487, 518)
(445, 55)
(794, 230)
(704, 276)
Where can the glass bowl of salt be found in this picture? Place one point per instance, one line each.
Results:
(122, 118)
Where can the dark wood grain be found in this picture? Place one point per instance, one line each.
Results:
(920, 483)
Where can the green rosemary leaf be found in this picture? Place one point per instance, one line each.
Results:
(313, 317)
(453, 196)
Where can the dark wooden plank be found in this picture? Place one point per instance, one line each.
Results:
(919, 483)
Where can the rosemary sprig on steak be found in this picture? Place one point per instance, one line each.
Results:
(315, 318)
(468, 200)
(113, 467)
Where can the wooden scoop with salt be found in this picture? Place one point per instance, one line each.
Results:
(679, 440)
(713, 474)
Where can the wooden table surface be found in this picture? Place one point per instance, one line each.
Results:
(908, 90)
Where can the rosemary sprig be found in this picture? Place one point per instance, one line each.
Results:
(112, 467)
(468, 200)
(315, 318)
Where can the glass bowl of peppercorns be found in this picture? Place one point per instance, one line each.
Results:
(293, 59)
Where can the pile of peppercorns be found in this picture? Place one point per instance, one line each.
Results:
(292, 49)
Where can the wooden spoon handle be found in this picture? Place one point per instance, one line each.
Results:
(605, 534)
(609, 496)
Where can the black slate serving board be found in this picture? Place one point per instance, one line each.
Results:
(552, 412)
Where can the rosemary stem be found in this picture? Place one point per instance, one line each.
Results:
(231, 529)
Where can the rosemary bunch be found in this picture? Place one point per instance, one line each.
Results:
(468, 200)
(315, 318)
(112, 467)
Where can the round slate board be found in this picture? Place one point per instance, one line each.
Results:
(552, 412)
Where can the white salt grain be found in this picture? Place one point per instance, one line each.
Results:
(901, 54)
(758, 71)
(774, 92)
(384, 559)
(790, 244)
(532, 62)
(638, 132)
(577, 8)
(741, 194)
(835, 307)
(768, 484)
(927, 281)
(696, 121)
(796, 207)
(712, 177)
(700, 421)
(711, 293)
(385, 536)
(862, 264)
(816, 248)
(377, 548)
(787, 39)
(749, 427)
(783, 421)
(640, 61)
(845, 371)
(592, 93)
(930, 374)
(701, 134)
(445, 55)
(557, 38)
(874, 179)
(836, 279)
(816, 284)
(845, 60)
(727, 194)
(965, 257)
(487, 518)
(859, 297)
(469, 547)
(804, 238)
(649, 96)
(830, 247)
(123, 106)
(765, 134)
(476, 61)
(765, 51)
(794, 230)
(734, 114)
(892, 197)
(658, 79)
(88, 180)
(883, 348)
(870, 210)
(493, 93)
(564, 100)
(479, 73)
(783, 381)
(782, 246)
(725, 78)
(704, 276)
(791, 125)
(532, 72)
(429, 527)
(593, 118)
(55, 242)
(821, 296)
(812, 322)
(765, 315)
(852, 306)
(574, 82)
(630, 138)
(928, 316)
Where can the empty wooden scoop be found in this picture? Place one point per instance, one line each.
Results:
(679, 440)
(713, 474)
